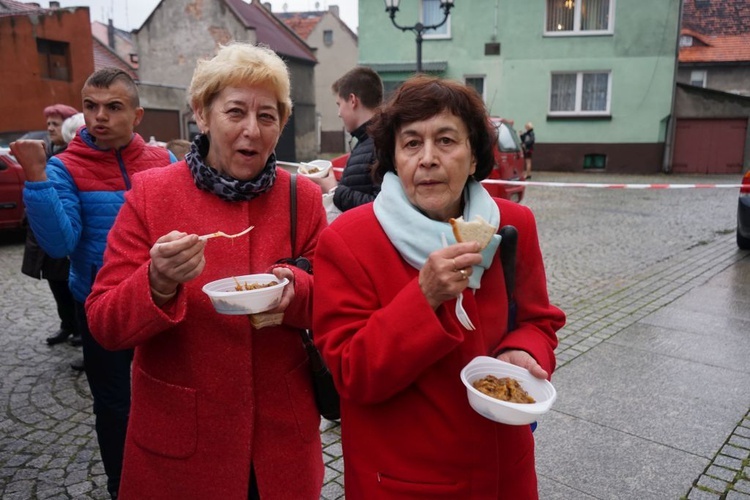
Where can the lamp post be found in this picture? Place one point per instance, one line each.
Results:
(391, 7)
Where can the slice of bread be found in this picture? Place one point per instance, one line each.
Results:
(478, 230)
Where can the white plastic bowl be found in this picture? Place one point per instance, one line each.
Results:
(227, 300)
(323, 165)
(504, 412)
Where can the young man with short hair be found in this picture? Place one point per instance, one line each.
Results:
(359, 93)
(71, 204)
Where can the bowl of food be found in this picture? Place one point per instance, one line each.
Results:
(248, 294)
(506, 393)
(315, 168)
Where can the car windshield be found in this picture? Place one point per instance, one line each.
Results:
(507, 140)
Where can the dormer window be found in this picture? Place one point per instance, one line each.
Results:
(686, 41)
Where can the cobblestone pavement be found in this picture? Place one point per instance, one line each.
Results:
(612, 257)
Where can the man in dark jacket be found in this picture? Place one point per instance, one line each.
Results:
(358, 95)
(71, 205)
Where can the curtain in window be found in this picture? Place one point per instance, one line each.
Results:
(594, 15)
(559, 15)
(432, 14)
(563, 94)
(594, 92)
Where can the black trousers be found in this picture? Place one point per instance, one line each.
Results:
(66, 304)
(108, 374)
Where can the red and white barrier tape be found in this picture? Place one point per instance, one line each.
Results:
(611, 186)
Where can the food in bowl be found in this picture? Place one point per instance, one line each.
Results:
(226, 299)
(252, 286)
(501, 411)
(315, 168)
(505, 388)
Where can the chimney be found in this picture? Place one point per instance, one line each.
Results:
(111, 35)
(334, 9)
(54, 5)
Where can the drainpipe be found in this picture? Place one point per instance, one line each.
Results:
(672, 124)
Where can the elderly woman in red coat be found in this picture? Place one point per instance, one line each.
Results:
(220, 408)
(385, 309)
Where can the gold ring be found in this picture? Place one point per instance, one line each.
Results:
(464, 274)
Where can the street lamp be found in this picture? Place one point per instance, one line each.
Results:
(391, 7)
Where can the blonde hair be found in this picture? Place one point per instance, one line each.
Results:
(529, 126)
(240, 64)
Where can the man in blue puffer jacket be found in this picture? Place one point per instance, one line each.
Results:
(71, 206)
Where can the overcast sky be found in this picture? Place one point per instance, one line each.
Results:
(130, 14)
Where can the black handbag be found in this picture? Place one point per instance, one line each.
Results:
(326, 395)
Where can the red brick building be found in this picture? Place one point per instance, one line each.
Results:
(45, 57)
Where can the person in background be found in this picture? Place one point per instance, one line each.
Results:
(221, 408)
(71, 125)
(527, 141)
(71, 205)
(36, 263)
(179, 147)
(359, 93)
(384, 312)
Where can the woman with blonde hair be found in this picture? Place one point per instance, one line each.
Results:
(221, 408)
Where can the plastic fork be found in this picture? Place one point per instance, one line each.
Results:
(461, 314)
(222, 234)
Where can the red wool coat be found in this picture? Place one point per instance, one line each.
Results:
(210, 394)
(406, 425)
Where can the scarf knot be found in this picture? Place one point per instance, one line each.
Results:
(416, 236)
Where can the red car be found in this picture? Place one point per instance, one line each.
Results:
(11, 192)
(509, 165)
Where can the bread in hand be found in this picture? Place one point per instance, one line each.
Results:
(478, 230)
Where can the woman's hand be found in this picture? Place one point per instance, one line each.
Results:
(288, 294)
(326, 183)
(175, 258)
(446, 273)
(524, 360)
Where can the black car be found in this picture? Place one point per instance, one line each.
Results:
(743, 214)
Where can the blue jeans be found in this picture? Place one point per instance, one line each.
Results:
(108, 374)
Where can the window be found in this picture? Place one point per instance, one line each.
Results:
(565, 17)
(477, 83)
(54, 59)
(328, 37)
(582, 93)
(698, 78)
(432, 14)
(686, 41)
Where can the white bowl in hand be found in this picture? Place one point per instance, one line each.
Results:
(228, 300)
(315, 168)
(501, 411)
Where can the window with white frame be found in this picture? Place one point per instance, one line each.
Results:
(578, 17)
(698, 78)
(477, 83)
(584, 93)
(432, 14)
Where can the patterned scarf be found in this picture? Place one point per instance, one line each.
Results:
(227, 188)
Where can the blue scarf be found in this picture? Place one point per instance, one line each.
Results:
(416, 236)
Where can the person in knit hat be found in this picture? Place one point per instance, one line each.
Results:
(56, 115)
(36, 263)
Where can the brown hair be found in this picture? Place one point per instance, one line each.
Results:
(362, 82)
(105, 77)
(420, 98)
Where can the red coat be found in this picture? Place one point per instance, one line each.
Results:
(406, 425)
(209, 393)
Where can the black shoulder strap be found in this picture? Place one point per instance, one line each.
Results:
(508, 245)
